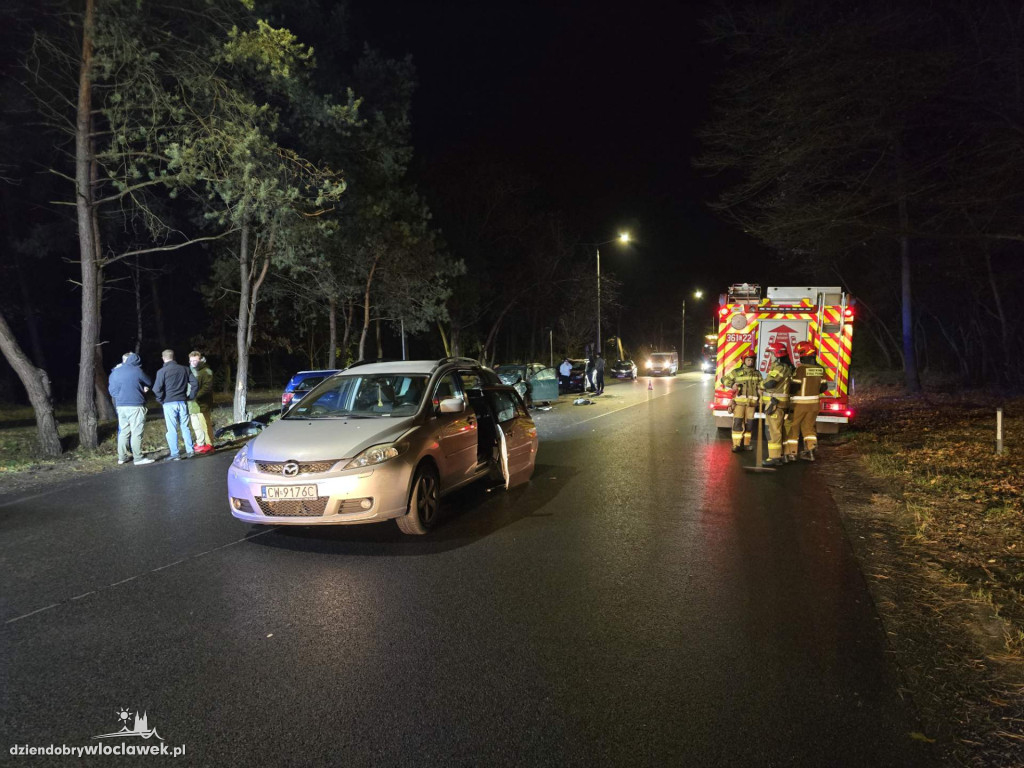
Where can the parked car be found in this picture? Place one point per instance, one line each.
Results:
(300, 384)
(537, 380)
(624, 369)
(384, 441)
(577, 376)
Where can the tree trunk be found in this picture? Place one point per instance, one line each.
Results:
(366, 307)
(242, 334)
(1004, 329)
(137, 283)
(444, 339)
(911, 377)
(37, 385)
(158, 314)
(380, 344)
(104, 405)
(246, 317)
(87, 247)
(332, 323)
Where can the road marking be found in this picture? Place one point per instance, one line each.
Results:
(639, 402)
(138, 575)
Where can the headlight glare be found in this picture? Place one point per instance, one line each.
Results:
(377, 454)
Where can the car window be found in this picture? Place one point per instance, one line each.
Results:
(471, 379)
(307, 384)
(545, 374)
(446, 387)
(504, 404)
(369, 396)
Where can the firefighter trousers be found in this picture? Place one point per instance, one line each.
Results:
(743, 424)
(803, 425)
(777, 424)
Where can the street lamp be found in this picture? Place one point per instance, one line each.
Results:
(698, 294)
(623, 238)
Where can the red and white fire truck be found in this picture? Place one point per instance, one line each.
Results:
(823, 316)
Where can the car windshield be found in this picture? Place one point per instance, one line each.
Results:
(509, 374)
(367, 396)
(623, 363)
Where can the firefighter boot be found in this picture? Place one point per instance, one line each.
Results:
(772, 463)
(807, 455)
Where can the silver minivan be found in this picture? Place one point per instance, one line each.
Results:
(382, 441)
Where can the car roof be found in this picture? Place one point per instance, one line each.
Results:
(411, 366)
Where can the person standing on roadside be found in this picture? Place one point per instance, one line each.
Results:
(171, 387)
(200, 404)
(565, 373)
(127, 386)
(808, 382)
(775, 403)
(590, 373)
(744, 380)
(599, 374)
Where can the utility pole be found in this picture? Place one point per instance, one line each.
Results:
(682, 338)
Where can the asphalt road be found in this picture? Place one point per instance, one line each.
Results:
(642, 602)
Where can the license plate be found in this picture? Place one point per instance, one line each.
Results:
(282, 492)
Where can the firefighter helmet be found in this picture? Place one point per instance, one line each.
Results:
(804, 349)
(748, 354)
(778, 349)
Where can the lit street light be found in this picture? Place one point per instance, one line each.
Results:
(624, 239)
(698, 294)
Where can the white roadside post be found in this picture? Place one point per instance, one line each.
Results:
(999, 430)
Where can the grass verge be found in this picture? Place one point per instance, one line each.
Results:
(937, 520)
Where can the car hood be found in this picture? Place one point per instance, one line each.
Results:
(325, 439)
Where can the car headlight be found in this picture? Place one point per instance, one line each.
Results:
(377, 454)
(241, 459)
(649, 364)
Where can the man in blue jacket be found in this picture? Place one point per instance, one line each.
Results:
(127, 386)
(171, 387)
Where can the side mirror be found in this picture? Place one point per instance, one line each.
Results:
(452, 405)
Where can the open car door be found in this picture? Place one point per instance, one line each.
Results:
(517, 435)
(545, 386)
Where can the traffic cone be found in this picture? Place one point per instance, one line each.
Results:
(650, 385)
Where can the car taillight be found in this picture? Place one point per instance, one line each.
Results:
(723, 312)
(848, 314)
(835, 406)
(849, 414)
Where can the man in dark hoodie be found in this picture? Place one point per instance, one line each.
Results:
(171, 387)
(200, 406)
(127, 386)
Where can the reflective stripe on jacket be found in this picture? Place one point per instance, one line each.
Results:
(747, 382)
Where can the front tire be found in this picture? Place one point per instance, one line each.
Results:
(424, 503)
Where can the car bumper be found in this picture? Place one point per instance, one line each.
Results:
(340, 499)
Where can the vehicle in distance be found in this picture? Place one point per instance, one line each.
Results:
(662, 364)
(384, 441)
(624, 369)
(535, 382)
(300, 384)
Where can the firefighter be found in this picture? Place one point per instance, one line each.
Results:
(806, 385)
(775, 402)
(744, 380)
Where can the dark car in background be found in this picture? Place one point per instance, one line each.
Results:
(624, 369)
(301, 383)
(577, 377)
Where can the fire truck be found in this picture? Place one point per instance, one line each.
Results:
(821, 315)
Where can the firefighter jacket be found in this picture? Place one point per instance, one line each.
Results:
(747, 382)
(808, 381)
(776, 383)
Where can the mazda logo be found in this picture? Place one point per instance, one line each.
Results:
(291, 469)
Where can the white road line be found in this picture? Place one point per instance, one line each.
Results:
(132, 578)
(639, 402)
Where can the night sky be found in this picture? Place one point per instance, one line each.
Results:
(599, 102)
